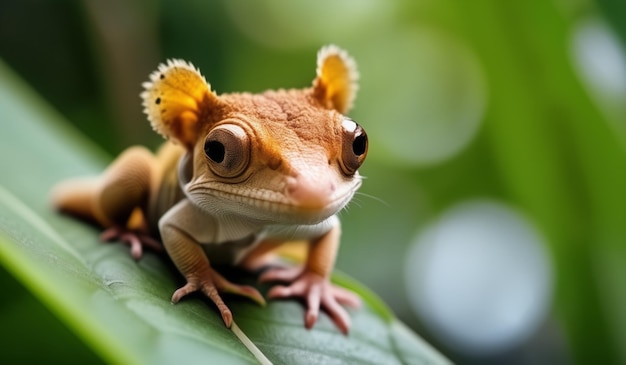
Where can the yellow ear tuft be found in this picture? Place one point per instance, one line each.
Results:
(336, 83)
(174, 100)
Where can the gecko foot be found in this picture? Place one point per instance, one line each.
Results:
(136, 240)
(211, 283)
(317, 291)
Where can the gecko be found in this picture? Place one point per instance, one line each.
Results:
(239, 175)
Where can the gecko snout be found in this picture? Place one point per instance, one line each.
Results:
(310, 193)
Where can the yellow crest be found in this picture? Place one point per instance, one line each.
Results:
(174, 98)
(336, 83)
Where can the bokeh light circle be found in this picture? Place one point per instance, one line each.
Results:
(479, 278)
(600, 60)
(423, 95)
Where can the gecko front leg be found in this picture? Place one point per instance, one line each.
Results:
(312, 283)
(192, 262)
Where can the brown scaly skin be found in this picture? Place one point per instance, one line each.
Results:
(243, 174)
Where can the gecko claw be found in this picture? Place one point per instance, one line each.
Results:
(136, 240)
(317, 292)
(212, 284)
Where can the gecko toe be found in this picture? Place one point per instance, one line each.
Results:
(136, 240)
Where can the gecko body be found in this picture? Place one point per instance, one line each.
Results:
(240, 175)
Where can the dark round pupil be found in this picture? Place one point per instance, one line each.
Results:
(215, 150)
(359, 145)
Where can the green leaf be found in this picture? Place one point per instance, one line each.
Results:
(120, 307)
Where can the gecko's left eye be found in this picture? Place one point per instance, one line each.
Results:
(354, 147)
(227, 148)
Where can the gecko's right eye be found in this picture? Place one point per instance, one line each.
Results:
(227, 148)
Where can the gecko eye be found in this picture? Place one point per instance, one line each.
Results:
(227, 148)
(354, 147)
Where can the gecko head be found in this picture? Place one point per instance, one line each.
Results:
(284, 156)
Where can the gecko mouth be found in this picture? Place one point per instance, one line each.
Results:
(268, 205)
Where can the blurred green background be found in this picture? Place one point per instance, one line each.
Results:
(493, 216)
